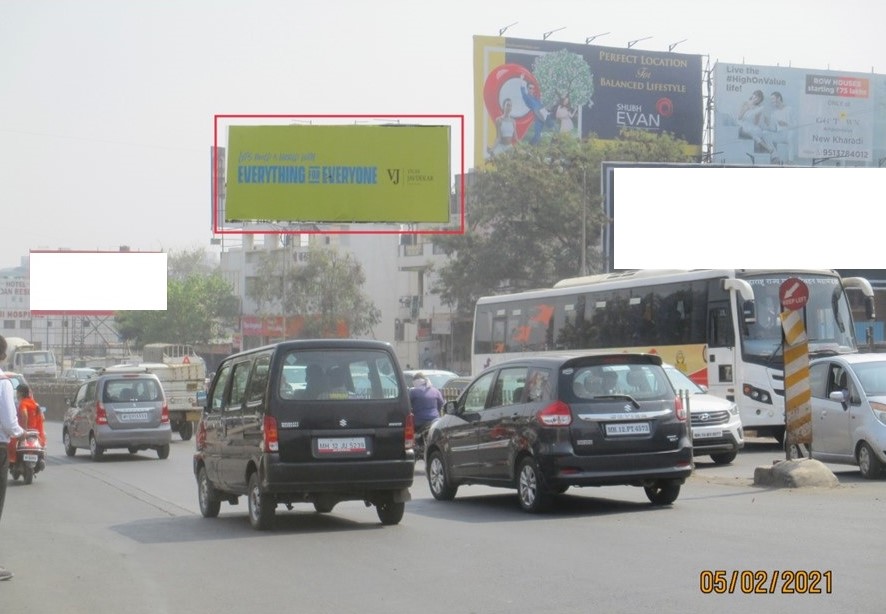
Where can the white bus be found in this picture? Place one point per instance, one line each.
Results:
(720, 327)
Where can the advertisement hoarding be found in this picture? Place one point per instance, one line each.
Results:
(797, 116)
(527, 89)
(338, 173)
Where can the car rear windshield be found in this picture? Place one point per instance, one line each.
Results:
(321, 375)
(131, 389)
(642, 382)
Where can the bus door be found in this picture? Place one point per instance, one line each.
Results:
(720, 355)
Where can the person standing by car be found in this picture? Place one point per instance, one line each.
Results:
(9, 428)
(427, 401)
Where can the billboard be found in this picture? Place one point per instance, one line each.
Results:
(527, 89)
(798, 116)
(338, 173)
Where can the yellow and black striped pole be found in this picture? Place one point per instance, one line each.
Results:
(797, 393)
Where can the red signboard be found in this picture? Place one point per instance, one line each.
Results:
(793, 293)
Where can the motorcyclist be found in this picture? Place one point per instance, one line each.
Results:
(427, 402)
(30, 418)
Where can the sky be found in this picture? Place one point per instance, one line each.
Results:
(106, 110)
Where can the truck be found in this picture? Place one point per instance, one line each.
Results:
(182, 373)
(23, 357)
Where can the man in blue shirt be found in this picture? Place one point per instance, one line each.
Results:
(427, 401)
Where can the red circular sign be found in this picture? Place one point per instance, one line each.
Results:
(793, 293)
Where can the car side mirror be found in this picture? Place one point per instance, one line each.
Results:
(840, 396)
(449, 407)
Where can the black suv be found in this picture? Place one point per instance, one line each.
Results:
(315, 421)
(543, 424)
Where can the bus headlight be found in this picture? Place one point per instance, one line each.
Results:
(761, 396)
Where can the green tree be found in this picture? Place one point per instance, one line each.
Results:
(323, 294)
(200, 306)
(525, 210)
(563, 73)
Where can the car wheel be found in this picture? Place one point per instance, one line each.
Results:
(186, 430)
(868, 463)
(534, 497)
(390, 513)
(66, 440)
(95, 450)
(724, 458)
(163, 452)
(438, 480)
(261, 506)
(663, 493)
(207, 495)
(323, 507)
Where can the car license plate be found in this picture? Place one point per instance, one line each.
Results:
(133, 417)
(706, 434)
(341, 445)
(628, 428)
(30, 458)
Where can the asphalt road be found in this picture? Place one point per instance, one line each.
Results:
(125, 535)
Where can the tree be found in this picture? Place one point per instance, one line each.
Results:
(200, 305)
(525, 210)
(322, 295)
(564, 73)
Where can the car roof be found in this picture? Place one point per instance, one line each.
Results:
(556, 360)
(856, 358)
(318, 344)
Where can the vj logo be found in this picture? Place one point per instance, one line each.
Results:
(394, 175)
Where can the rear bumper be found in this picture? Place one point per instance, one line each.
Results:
(615, 469)
(335, 477)
(107, 437)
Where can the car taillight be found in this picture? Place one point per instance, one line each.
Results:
(164, 414)
(557, 413)
(409, 431)
(101, 416)
(270, 441)
(201, 435)
(678, 407)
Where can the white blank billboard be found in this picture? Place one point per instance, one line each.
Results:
(751, 217)
(97, 281)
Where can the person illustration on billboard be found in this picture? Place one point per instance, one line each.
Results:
(505, 129)
(751, 121)
(564, 114)
(779, 129)
(532, 99)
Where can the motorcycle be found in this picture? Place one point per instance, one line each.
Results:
(30, 457)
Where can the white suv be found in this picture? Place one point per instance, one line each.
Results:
(716, 425)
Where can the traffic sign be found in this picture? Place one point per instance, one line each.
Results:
(793, 293)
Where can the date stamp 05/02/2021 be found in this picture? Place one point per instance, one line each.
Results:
(765, 581)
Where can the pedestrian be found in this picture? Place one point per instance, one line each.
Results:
(9, 428)
(427, 401)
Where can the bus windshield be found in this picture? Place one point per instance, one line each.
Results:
(828, 320)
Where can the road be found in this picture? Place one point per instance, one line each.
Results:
(125, 535)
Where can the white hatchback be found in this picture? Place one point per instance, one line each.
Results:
(849, 411)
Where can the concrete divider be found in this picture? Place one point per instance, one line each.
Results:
(52, 395)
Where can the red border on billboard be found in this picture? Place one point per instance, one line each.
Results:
(451, 231)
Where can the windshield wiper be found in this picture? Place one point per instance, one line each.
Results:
(616, 397)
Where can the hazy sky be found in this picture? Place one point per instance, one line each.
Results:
(106, 108)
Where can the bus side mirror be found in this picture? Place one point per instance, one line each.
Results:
(869, 308)
(748, 312)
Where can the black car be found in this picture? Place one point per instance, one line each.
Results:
(543, 424)
(343, 433)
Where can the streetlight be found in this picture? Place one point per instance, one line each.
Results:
(634, 42)
(672, 45)
(504, 29)
(590, 38)
(549, 32)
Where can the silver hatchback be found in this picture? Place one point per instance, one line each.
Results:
(121, 410)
